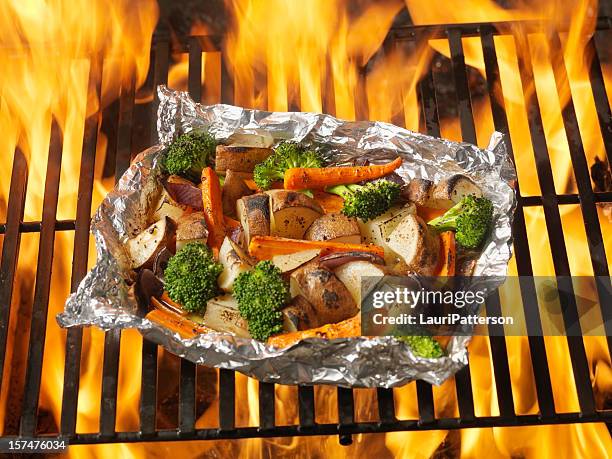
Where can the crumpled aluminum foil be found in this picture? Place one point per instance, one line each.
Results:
(105, 298)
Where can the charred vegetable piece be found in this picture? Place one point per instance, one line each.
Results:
(302, 178)
(367, 201)
(334, 227)
(239, 158)
(213, 208)
(234, 188)
(191, 228)
(416, 244)
(298, 315)
(189, 154)
(452, 190)
(261, 294)
(254, 213)
(286, 156)
(291, 213)
(266, 247)
(470, 219)
(191, 277)
(184, 192)
(144, 247)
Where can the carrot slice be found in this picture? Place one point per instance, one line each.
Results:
(213, 208)
(429, 213)
(309, 178)
(345, 329)
(448, 254)
(230, 223)
(176, 323)
(265, 247)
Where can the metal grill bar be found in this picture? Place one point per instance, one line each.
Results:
(74, 339)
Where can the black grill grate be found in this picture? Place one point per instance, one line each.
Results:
(347, 425)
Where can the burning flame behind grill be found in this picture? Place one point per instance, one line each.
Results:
(293, 55)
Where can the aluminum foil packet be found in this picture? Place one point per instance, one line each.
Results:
(105, 298)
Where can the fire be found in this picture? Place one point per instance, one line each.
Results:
(311, 56)
(51, 55)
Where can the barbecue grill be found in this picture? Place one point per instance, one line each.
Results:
(126, 114)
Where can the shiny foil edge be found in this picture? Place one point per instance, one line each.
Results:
(105, 297)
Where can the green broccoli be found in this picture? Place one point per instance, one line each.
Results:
(367, 201)
(422, 345)
(261, 293)
(286, 156)
(470, 219)
(191, 276)
(189, 154)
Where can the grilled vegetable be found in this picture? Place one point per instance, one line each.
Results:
(166, 206)
(254, 214)
(291, 213)
(144, 247)
(329, 297)
(261, 294)
(265, 247)
(234, 188)
(239, 158)
(345, 329)
(452, 190)
(222, 315)
(184, 192)
(418, 191)
(191, 277)
(191, 228)
(291, 261)
(448, 254)
(302, 178)
(334, 227)
(470, 219)
(233, 265)
(213, 208)
(189, 154)
(286, 156)
(417, 246)
(423, 346)
(367, 201)
(298, 315)
(352, 275)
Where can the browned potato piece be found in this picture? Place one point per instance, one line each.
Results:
(331, 300)
(234, 188)
(290, 261)
(143, 248)
(222, 315)
(168, 207)
(335, 227)
(238, 158)
(292, 213)
(352, 275)
(191, 228)
(254, 214)
(417, 246)
(299, 315)
(450, 191)
(418, 191)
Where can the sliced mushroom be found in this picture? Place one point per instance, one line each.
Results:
(239, 158)
(184, 192)
(329, 297)
(234, 188)
(377, 231)
(335, 227)
(291, 261)
(417, 246)
(233, 265)
(360, 277)
(191, 228)
(419, 191)
(292, 213)
(450, 191)
(254, 214)
(299, 315)
(144, 247)
(222, 315)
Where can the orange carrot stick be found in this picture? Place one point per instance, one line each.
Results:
(173, 321)
(213, 208)
(265, 247)
(230, 223)
(346, 329)
(448, 254)
(310, 178)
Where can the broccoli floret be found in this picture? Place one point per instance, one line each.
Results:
(470, 219)
(286, 156)
(367, 201)
(189, 154)
(261, 293)
(423, 346)
(191, 276)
